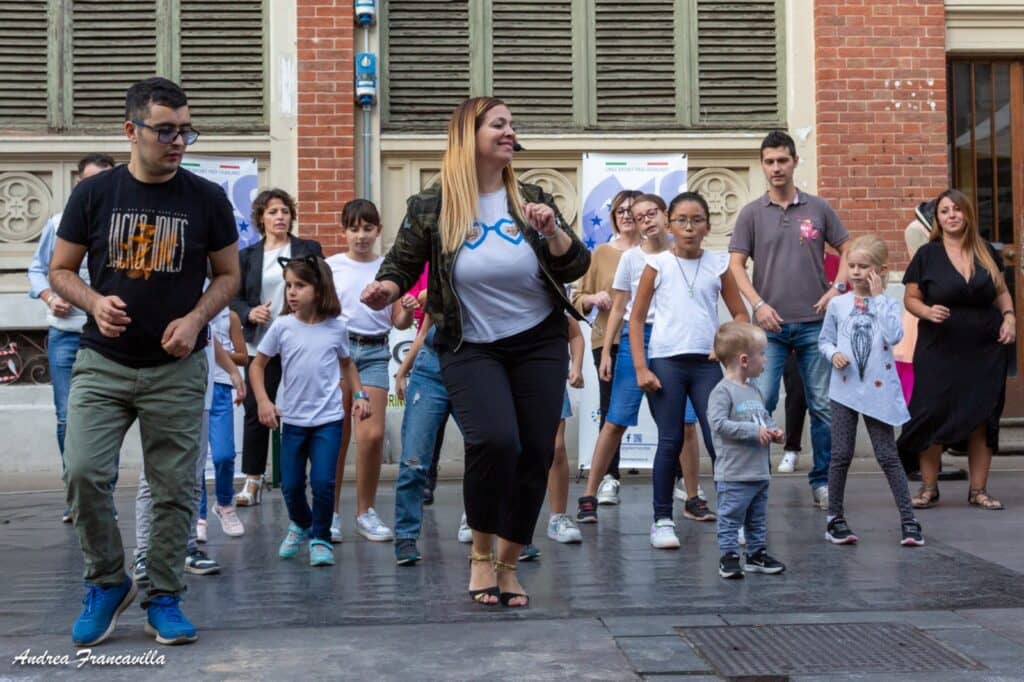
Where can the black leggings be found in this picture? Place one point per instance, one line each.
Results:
(507, 399)
(605, 391)
(256, 436)
(796, 404)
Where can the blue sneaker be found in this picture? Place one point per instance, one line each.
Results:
(290, 545)
(529, 552)
(166, 622)
(102, 607)
(320, 553)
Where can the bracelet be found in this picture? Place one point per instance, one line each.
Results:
(360, 395)
(757, 306)
(1008, 312)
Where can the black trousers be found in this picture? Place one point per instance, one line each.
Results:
(507, 399)
(605, 391)
(796, 404)
(256, 436)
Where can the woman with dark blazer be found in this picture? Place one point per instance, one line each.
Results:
(258, 303)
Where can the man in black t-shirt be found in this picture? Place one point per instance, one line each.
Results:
(150, 229)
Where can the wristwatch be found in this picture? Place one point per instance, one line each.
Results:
(840, 287)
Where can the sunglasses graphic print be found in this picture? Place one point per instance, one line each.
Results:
(504, 228)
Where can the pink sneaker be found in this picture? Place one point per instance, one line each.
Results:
(229, 521)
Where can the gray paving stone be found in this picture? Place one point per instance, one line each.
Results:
(997, 653)
(650, 655)
(647, 626)
(1007, 622)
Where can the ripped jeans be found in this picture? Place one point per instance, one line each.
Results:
(426, 411)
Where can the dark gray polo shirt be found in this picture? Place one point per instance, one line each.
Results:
(788, 248)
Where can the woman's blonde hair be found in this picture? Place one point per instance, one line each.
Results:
(972, 239)
(459, 190)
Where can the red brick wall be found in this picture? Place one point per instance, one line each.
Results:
(880, 70)
(326, 118)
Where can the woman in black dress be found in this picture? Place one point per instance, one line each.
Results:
(954, 286)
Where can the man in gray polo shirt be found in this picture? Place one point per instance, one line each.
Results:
(785, 232)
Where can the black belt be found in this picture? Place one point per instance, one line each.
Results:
(359, 339)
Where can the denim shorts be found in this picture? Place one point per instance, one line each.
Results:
(624, 407)
(372, 363)
(566, 407)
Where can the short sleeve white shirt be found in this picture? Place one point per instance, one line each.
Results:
(310, 394)
(350, 278)
(685, 320)
(627, 278)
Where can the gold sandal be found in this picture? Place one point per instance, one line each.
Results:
(492, 591)
(507, 597)
(979, 497)
(927, 496)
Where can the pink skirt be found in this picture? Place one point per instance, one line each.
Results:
(905, 371)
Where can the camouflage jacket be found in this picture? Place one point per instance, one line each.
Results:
(419, 242)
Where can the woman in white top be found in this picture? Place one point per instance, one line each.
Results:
(368, 331)
(684, 285)
(257, 305)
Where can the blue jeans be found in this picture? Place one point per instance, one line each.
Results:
(61, 349)
(319, 445)
(222, 447)
(682, 376)
(742, 504)
(426, 411)
(802, 337)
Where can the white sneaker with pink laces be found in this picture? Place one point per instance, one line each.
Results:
(229, 521)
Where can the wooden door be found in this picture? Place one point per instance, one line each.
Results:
(986, 143)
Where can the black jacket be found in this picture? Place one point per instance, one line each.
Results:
(251, 260)
(419, 241)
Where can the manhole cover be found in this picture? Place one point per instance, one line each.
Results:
(823, 648)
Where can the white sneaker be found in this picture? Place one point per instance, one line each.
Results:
(229, 521)
(465, 532)
(741, 537)
(372, 528)
(608, 491)
(562, 529)
(788, 463)
(679, 492)
(336, 536)
(201, 530)
(663, 534)
(820, 495)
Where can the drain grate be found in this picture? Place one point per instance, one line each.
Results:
(823, 648)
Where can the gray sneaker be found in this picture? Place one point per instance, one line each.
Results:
(198, 563)
(139, 570)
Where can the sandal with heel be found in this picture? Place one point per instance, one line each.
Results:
(927, 496)
(251, 493)
(506, 597)
(979, 497)
(492, 591)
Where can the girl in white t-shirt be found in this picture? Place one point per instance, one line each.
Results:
(313, 344)
(684, 285)
(368, 331)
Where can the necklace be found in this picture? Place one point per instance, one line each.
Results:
(690, 285)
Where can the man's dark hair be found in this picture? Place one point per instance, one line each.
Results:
(152, 91)
(101, 160)
(777, 138)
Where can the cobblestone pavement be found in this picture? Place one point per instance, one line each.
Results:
(610, 608)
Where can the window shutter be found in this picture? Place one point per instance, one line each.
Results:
(427, 62)
(222, 60)
(113, 46)
(738, 61)
(23, 59)
(532, 59)
(635, 61)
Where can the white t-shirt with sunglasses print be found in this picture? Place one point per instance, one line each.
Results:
(497, 276)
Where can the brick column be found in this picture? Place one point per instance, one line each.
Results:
(880, 69)
(326, 118)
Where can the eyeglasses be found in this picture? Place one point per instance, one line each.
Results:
(168, 134)
(696, 221)
(647, 215)
(312, 261)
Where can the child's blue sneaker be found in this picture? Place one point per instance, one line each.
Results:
(99, 615)
(290, 545)
(166, 622)
(320, 553)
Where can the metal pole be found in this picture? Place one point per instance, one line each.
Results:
(367, 133)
